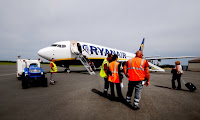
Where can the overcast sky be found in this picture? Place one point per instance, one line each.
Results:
(170, 27)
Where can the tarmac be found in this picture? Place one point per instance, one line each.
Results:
(78, 96)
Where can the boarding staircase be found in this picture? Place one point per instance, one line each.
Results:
(85, 62)
(155, 68)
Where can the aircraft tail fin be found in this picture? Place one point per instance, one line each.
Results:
(142, 45)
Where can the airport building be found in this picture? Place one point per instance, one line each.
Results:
(194, 65)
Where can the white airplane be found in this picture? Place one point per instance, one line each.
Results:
(69, 53)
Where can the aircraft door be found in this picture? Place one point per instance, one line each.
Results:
(89, 50)
(86, 48)
(74, 47)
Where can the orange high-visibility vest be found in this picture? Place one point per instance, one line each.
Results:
(113, 67)
(136, 69)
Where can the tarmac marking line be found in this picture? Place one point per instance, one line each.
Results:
(7, 74)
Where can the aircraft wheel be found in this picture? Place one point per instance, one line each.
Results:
(68, 71)
(44, 82)
(25, 82)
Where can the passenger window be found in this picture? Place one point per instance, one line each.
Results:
(54, 45)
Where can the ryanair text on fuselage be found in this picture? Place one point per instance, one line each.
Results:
(102, 51)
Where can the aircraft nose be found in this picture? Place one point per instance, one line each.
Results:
(41, 52)
(44, 53)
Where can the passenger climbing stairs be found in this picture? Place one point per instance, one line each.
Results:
(85, 62)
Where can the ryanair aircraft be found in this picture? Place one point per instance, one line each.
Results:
(77, 53)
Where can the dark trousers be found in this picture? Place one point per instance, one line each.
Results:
(119, 92)
(106, 84)
(178, 78)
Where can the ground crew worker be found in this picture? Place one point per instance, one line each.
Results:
(53, 69)
(113, 78)
(103, 73)
(136, 69)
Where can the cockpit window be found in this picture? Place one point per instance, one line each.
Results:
(54, 45)
(57, 45)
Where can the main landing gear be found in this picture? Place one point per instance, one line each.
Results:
(67, 70)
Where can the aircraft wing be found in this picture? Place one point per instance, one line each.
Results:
(162, 58)
(152, 67)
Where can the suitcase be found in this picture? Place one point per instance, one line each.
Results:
(190, 86)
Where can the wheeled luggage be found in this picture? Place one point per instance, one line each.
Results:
(189, 85)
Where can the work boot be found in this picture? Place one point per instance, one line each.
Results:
(105, 94)
(135, 107)
(112, 98)
(52, 82)
(121, 99)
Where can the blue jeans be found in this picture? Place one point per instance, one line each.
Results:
(138, 89)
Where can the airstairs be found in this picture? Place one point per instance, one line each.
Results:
(75, 50)
(155, 68)
(85, 62)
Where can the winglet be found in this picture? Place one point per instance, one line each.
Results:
(142, 45)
